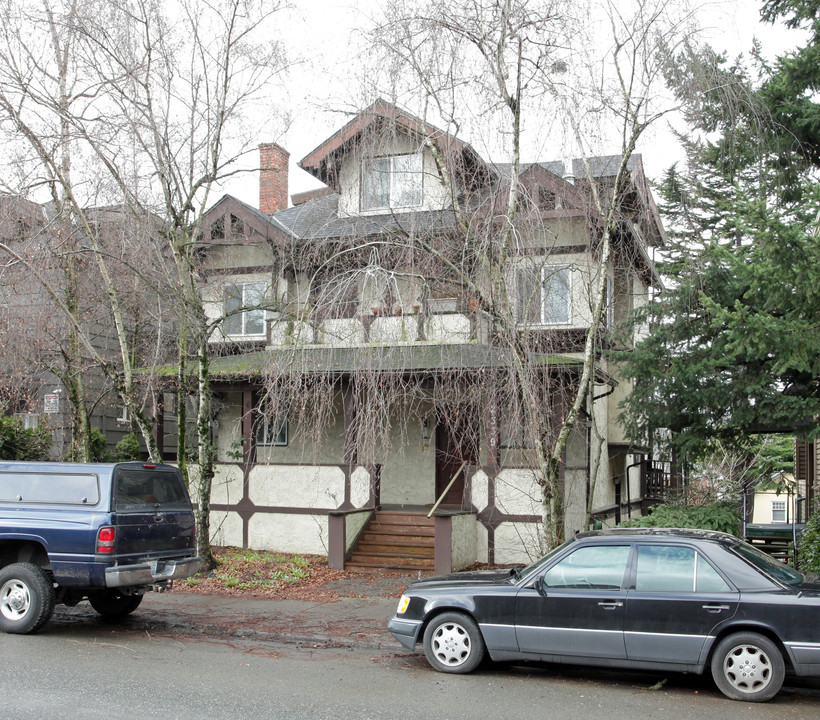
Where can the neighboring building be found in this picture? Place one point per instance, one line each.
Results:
(776, 506)
(312, 294)
(33, 331)
(807, 480)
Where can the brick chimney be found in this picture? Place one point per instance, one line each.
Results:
(273, 178)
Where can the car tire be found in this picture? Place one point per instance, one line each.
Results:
(114, 605)
(453, 643)
(748, 666)
(26, 598)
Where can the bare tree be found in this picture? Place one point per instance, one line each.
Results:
(509, 72)
(153, 96)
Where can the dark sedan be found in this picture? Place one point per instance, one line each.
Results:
(680, 600)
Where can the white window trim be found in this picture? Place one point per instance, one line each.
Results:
(779, 506)
(545, 270)
(242, 314)
(263, 430)
(390, 206)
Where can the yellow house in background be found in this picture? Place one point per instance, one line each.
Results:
(773, 507)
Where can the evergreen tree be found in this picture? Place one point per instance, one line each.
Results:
(734, 342)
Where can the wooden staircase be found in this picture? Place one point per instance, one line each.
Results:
(396, 541)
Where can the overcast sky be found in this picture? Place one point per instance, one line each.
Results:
(323, 37)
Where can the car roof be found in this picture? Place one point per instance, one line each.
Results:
(666, 534)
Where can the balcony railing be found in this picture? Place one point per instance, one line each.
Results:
(380, 327)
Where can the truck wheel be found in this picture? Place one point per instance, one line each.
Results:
(113, 605)
(26, 598)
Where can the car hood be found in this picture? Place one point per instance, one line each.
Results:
(461, 579)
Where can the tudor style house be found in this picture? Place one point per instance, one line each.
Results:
(357, 294)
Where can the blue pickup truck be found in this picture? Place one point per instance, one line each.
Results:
(105, 532)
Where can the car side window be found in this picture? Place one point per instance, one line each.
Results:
(669, 568)
(595, 567)
(708, 578)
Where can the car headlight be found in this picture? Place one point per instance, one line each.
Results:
(404, 601)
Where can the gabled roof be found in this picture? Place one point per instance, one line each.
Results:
(383, 118)
(254, 218)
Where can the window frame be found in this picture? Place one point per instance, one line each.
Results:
(368, 170)
(779, 506)
(245, 311)
(543, 274)
(265, 425)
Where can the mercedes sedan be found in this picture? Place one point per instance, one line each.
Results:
(656, 599)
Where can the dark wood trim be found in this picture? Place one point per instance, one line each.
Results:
(443, 544)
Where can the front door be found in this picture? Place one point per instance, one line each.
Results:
(456, 443)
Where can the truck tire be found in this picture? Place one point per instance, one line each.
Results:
(26, 598)
(114, 605)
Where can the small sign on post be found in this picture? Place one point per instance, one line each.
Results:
(51, 404)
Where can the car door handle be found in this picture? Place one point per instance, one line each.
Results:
(610, 604)
(715, 608)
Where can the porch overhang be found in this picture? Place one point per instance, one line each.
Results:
(383, 359)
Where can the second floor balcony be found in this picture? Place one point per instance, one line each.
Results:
(439, 322)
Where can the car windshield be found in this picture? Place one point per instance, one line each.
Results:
(767, 564)
(525, 571)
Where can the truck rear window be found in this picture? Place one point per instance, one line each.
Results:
(57, 488)
(136, 489)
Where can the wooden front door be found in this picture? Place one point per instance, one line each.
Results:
(456, 443)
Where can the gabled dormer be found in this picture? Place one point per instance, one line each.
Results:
(387, 161)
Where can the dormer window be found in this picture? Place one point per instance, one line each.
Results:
(390, 183)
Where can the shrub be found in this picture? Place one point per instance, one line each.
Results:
(723, 515)
(808, 544)
(99, 452)
(128, 448)
(18, 443)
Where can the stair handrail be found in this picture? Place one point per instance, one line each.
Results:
(447, 489)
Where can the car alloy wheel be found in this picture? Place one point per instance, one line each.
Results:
(453, 643)
(748, 666)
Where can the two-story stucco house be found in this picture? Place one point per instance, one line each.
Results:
(360, 384)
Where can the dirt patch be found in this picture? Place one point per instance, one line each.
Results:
(278, 576)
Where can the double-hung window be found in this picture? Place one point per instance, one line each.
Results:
(391, 182)
(778, 511)
(243, 308)
(544, 294)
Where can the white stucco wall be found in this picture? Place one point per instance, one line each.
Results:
(517, 542)
(354, 522)
(296, 486)
(434, 195)
(517, 492)
(291, 533)
(226, 529)
(463, 549)
(359, 487)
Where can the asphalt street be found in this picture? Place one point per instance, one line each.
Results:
(189, 656)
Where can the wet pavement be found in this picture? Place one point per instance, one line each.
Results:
(349, 613)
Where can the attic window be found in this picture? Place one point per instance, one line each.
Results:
(545, 199)
(218, 229)
(391, 182)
